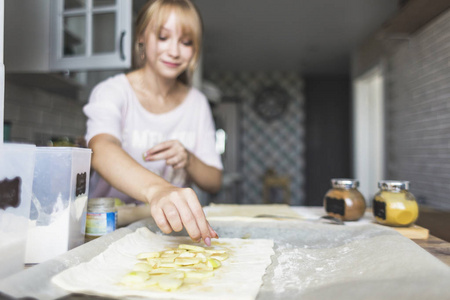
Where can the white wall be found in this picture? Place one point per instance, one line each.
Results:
(419, 113)
(368, 131)
(2, 71)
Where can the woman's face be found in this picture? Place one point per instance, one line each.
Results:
(168, 52)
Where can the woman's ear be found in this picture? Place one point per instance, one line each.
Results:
(141, 40)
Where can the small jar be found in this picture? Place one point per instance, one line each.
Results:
(101, 217)
(344, 201)
(394, 205)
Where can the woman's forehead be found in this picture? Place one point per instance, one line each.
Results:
(174, 19)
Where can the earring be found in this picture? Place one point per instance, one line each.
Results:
(141, 51)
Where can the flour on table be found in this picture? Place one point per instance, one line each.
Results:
(48, 240)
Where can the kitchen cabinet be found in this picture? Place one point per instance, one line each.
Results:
(90, 34)
(67, 35)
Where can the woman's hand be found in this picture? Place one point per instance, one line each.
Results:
(173, 152)
(173, 208)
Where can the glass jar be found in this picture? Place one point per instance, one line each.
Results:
(343, 201)
(394, 205)
(101, 217)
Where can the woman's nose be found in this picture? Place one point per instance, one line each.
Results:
(174, 49)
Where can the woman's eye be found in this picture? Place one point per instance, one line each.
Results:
(162, 38)
(187, 42)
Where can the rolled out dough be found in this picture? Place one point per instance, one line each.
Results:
(240, 276)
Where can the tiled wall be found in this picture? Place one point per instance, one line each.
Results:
(37, 115)
(279, 144)
(418, 112)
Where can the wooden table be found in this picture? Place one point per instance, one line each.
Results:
(436, 247)
(438, 223)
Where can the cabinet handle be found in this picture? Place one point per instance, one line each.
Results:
(122, 55)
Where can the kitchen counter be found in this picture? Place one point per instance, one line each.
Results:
(359, 260)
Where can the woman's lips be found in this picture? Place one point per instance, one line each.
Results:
(170, 64)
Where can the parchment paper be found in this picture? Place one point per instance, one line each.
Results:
(311, 261)
(239, 277)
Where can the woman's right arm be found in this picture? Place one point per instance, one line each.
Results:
(172, 208)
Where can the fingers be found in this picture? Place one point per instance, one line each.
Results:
(168, 218)
(163, 154)
(160, 147)
(190, 222)
(161, 221)
(213, 232)
(179, 165)
(180, 208)
(173, 217)
(177, 162)
(200, 218)
(173, 152)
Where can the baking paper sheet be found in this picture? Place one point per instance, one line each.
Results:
(311, 261)
(240, 276)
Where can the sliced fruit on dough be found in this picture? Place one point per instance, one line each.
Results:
(146, 255)
(169, 284)
(214, 263)
(135, 277)
(143, 267)
(191, 247)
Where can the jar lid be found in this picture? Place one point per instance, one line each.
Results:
(105, 201)
(393, 185)
(344, 183)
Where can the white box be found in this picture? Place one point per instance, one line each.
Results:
(58, 205)
(16, 179)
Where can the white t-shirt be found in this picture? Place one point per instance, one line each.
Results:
(113, 108)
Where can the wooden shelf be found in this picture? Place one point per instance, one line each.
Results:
(414, 15)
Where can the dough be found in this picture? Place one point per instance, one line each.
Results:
(240, 276)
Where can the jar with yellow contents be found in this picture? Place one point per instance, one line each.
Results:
(394, 205)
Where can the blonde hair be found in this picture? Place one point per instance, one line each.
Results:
(155, 13)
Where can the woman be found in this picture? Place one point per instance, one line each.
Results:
(150, 132)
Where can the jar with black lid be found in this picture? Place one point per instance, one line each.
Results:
(394, 204)
(344, 201)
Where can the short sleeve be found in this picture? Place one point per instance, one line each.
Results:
(205, 148)
(104, 109)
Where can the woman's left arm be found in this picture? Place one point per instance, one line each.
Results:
(206, 177)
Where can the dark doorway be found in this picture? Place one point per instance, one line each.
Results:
(328, 148)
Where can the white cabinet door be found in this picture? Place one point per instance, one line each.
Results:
(90, 34)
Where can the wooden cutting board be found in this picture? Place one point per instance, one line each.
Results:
(414, 232)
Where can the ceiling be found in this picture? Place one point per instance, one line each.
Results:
(309, 36)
